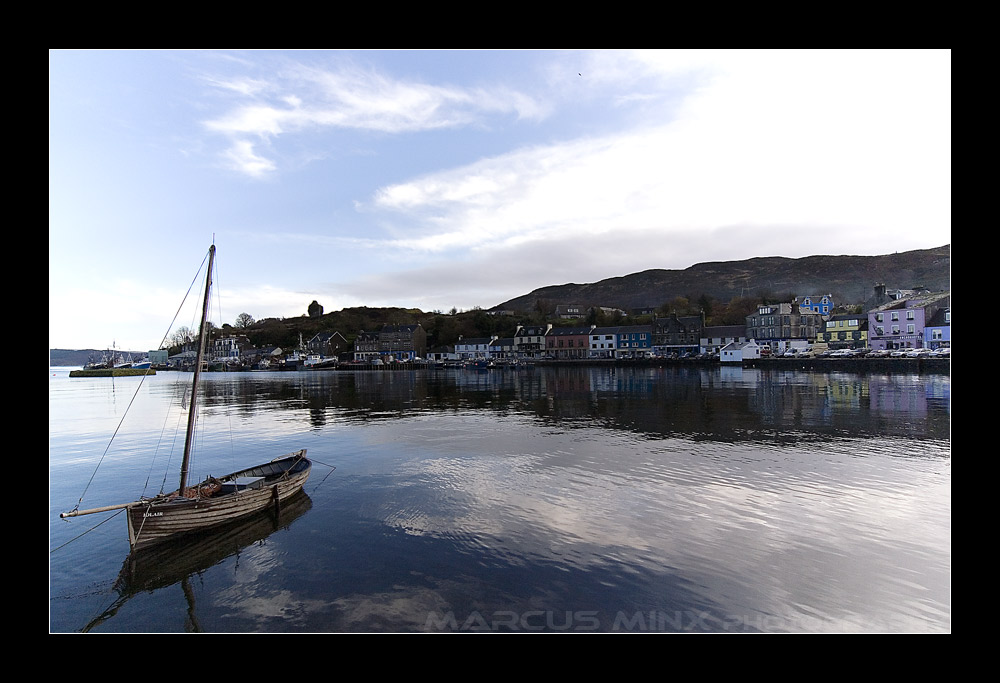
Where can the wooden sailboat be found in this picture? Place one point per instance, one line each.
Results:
(215, 501)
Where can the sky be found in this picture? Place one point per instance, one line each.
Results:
(445, 180)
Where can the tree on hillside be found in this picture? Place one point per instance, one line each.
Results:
(681, 305)
(244, 320)
(707, 304)
(735, 312)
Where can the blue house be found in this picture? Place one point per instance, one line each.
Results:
(634, 341)
(817, 304)
(937, 332)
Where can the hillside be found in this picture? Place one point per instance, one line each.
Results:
(850, 279)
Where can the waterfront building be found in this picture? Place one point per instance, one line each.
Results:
(473, 348)
(937, 332)
(184, 360)
(229, 348)
(327, 344)
(442, 354)
(529, 340)
(501, 349)
(779, 326)
(900, 324)
(603, 342)
(366, 346)
(634, 341)
(739, 351)
(845, 332)
(402, 342)
(714, 337)
(568, 342)
(677, 334)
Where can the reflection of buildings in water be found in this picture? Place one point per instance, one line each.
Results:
(738, 375)
(843, 390)
(733, 401)
(908, 396)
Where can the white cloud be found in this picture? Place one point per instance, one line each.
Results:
(241, 157)
(310, 98)
(774, 139)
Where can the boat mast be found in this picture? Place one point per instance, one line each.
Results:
(203, 333)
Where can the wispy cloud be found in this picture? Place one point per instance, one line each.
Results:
(308, 98)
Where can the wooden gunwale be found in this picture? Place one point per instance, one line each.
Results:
(158, 519)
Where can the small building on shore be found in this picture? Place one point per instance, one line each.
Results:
(737, 352)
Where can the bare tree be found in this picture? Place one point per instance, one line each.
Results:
(244, 320)
(182, 336)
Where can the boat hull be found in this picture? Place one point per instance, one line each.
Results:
(163, 518)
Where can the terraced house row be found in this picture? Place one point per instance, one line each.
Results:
(899, 319)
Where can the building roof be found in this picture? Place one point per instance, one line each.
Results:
(474, 341)
(734, 345)
(724, 331)
(920, 300)
(569, 331)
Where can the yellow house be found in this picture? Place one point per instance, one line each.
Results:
(845, 332)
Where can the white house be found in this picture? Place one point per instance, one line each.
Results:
(737, 352)
(715, 337)
(470, 349)
(603, 342)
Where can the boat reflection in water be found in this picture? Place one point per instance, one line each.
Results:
(176, 561)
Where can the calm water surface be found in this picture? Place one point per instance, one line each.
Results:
(557, 500)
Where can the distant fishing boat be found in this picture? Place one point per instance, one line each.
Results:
(214, 501)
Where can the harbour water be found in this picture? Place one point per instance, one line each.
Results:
(588, 499)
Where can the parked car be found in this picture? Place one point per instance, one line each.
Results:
(878, 353)
(842, 353)
(943, 352)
